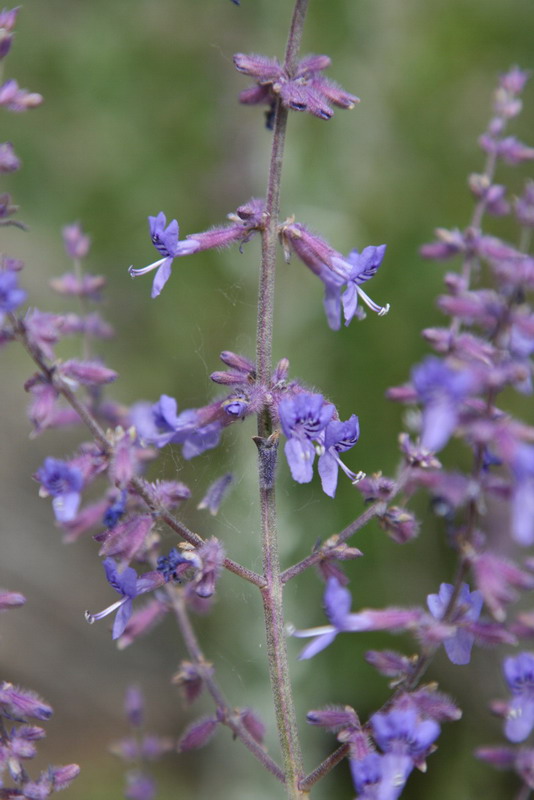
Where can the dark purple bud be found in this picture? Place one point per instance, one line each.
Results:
(237, 362)
(23, 703)
(430, 704)
(376, 487)
(265, 70)
(253, 724)
(61, 777)
(335, 718)
(400, 524)
(88, 373)
(501, 757)
(170, 493)
(198, 734)
(392, 664)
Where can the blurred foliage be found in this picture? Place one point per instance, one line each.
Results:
(140, 115)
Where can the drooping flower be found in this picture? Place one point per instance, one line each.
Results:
(359, 268)
(63, 483)
(336, 271)
(468, 608)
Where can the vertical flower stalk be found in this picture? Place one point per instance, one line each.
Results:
(272, 594)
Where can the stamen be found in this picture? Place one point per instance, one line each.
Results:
(143, 270)
(91, 618)
(380, 310)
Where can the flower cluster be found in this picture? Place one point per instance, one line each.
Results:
(310, 423)
(304, 90)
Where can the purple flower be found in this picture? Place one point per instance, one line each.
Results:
(303, 417)
(307, 422)
(336, 271)
(128, 585)
(441, 390)
(64, 483)
(367, 775)
(160, 424)
(11, 297)
(519, 674)
(165, 240)
(405, 740)
(337, 603)
(338, 437)
(467, 609)
(359, 268)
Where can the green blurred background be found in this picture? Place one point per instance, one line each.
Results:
(140, 115)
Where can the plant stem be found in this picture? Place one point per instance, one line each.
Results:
(267, 444)
(225, 714)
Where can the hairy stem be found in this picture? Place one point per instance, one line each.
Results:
(267, 444)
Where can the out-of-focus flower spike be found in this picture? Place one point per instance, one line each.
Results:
(134, 704)
(75, 241)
